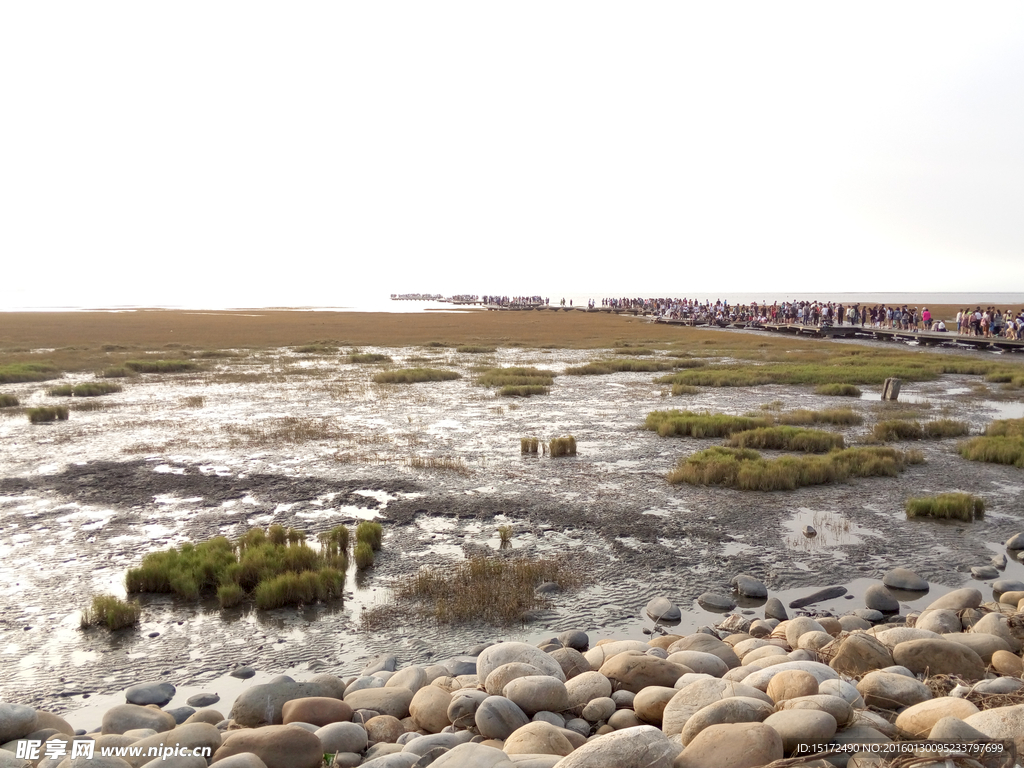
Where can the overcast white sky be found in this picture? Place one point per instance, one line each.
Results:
(252, 153)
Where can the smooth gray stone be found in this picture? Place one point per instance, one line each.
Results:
(386, 662)
(244, 673)
(774, 609)
(714, 601)
(982, 572)
(463, 706)
(497, 718)
(203, 700)
(1008, 585)
(460, 665)
(828, 593)
(748, 586)
(180, 714)
(16, 721)
(663, 609)
(423, 744)
(364, 682)
(868, 614)
(904, 578)
(879, 598)
(576, 640)
(150, 693)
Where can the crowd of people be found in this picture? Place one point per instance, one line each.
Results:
(991, 323)
(517, 301)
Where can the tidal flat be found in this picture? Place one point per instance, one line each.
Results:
(276, 424)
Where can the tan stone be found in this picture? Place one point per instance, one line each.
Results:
(939, 657)
(316, 710)
(916, 722)
(649, 704)
(279, 746)
(859, 654)
(791, 685)
(384, 728)
(537, 738)
(741, 745)
(636, 672)
(429, 708)
(1007, 663)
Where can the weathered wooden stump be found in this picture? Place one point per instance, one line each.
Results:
(891, 389)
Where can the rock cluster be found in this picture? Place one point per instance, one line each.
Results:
(740, 695)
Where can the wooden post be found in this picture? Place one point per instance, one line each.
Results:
(891, 389)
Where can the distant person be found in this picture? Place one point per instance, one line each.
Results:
(939, 327)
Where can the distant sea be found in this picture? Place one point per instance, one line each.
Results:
(374, 302)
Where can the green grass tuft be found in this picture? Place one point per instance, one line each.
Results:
(86, 389)
(470, 349)
(947, 506)
(364, 556)
(562, 446)
(8, 401)
(160, 366)
(116, 372)
(317, 348)
(994, 450)
(110, 612)
(675, 423)
(371, 533)
(605, 367)
(415, 375)
(787, 439)
(745, 469)
(638, 351)
(522, 390)
(369, 357)
(684, 389)
(14, 373)
(839, 416)
(838, 390)
(900, 429)
(48, 413)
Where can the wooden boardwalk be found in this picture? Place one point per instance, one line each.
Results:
(925, 338)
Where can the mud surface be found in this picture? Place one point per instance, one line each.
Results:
(182, 458)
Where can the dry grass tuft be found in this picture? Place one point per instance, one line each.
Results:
(86, 389)
(787, 439)
(471, 349)
(839, 416)
(495, 590)
(900, 429)
(8, 401)
(369, 357)
(289, 430)
(605, 367)
(160, 366)
(838, 390)
(562, 446)
(529, 445)
(675, 423)
(517, 381)
(415, 375)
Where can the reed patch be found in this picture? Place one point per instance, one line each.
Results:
(369, 357)
(415, 375)
(746, 470)
(676, 423)
(787, 439)
(562, 446)
(15, 373)
(838, 416)
(838, 390)
(473, 349)
(529, 445)
(947, 506)
(86, 389)
(274, 568)
(1002, 443)
(160, 366)
(47, 413)
(110, 612)
(8, 401)
(893, 430)
(500, 591)
(605, 367)
(517, 381)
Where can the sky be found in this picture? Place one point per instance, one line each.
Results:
(294, 154)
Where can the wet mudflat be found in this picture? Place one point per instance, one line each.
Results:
(310, 442)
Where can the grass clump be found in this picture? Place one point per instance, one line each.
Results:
(838, 390)
(48, 413)
(455, 464)
(370, 533)
(562, 446)
(87, 389)
(517, 381)
(274, 567)
(605, 367)
(116, 372)
(746, 470)
(947, 506)
(110, 612)
(20, 372)
(470, 349)
(369, 357)
(839, 416)
(638, 351)
(901, 429)
(364, 556)
(415, 375)
(160, 366)
(529, 445)
(496, 590)
(675, 423)
(505, 536)
(317, 348)
(1003, 443)
(8, 401)
(684, 389)
(335, 541)
(788, 439)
